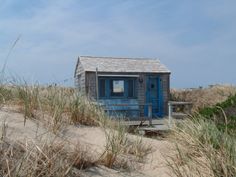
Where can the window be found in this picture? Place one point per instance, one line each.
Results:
(117, 87)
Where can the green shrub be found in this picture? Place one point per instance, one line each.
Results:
(219, 112)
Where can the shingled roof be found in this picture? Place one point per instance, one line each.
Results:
(111, 64)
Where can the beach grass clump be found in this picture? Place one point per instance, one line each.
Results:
(121, 150)
(116, 141)
(45, 159)
(83, 111)
(28, 98)
(5, 94)
(139, 149)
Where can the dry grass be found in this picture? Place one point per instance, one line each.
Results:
(60, 105)
(82, 110)
(203, 150)
(47, 158)
(204, 147)
(43, 157)
(122, 151)
(203, 97)
(57, 107)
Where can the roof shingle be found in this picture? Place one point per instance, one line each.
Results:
(111, 64)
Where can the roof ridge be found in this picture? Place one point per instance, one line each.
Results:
(130, 58)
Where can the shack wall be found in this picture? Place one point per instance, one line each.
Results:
(90, 89)
(80, 79)
(90, 85)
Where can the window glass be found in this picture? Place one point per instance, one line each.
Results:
(117, 87)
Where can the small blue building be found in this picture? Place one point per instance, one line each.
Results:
(126, 87)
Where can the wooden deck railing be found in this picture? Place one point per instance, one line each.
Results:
(173, 104)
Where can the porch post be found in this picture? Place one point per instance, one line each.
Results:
(150, 114)
(170, 114)
(97, 84)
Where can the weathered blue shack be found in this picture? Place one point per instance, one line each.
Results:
(127, 87)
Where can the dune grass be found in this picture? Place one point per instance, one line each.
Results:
(203, 97)
(60, 104)
(203, 150)
(58, 107)
(41, 159)
(122, 151)
(206, 142)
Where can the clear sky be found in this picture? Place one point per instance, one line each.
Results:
(195, 39)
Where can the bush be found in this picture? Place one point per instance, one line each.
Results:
(223, 114)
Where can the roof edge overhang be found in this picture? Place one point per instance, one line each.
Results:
(118, 75)
(164, 72)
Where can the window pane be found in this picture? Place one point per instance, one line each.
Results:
(118, 86)
(130, 88)
(102, 88)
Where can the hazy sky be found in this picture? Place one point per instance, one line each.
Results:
(195, 39)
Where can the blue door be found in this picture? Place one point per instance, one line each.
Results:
(154, 96)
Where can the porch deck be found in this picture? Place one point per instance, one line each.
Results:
(176, 117)
(150, 124)
(145, 122)
(157, 125)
